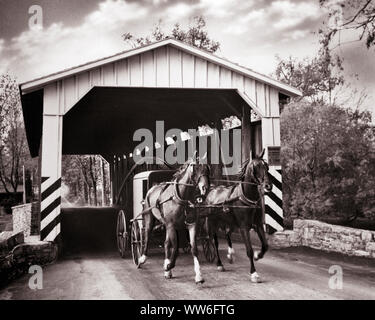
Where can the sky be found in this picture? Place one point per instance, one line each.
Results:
(251, 33)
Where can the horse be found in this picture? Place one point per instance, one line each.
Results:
(168, 203)
(239, 206)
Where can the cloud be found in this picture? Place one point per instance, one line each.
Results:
(3, 62)
(236, 29)
(38, 52)
(250, 32)
(254, 16)
(298, 34)
(2, 42)
(281, 20)
(179, 11)
(223, 8)
(292, 14)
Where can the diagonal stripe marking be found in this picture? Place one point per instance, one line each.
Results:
(50, 208)
(56, 185)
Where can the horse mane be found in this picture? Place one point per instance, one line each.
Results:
(181, 170)
(242, 172)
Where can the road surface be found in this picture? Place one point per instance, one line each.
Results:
(297, 273)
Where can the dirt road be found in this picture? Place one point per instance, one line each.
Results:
(287, 274)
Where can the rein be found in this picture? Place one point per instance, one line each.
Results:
(248, 202)
(235, 181)
(175, 196)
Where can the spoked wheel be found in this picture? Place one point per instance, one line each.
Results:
(209, 249)
(122, 234)
(137, 241)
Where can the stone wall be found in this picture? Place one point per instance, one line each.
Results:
(17, 256)
(327, 237)
(22, 218)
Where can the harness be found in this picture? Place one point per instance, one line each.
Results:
(175, 196)
(247, 203)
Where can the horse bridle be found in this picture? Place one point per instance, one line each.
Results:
(175, 196)
(257, 181)
(194, 184)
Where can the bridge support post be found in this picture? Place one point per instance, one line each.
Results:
(271, 142)
(51, 154)
(246, 133)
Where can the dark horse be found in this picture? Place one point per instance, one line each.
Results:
(239, 206)
(169, 203)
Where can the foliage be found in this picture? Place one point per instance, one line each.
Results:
(328, 158)
(317, 78)
(84, 176)
(13, 146)
(196, 35)
(355, 15)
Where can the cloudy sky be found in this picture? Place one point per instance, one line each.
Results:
(251, 33)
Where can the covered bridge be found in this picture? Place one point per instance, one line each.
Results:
(95, 108)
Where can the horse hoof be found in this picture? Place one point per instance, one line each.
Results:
(200, 282)
(167, 263)
(142, 259)
(255, 278)
(220, 268)
(256, 255)
(230, 258)
(168, 274)
(199, 279)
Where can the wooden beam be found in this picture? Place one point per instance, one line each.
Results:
(246, 133)
(216, 168)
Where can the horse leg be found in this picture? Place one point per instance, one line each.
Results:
(167, 250)
(250, 253)
(231, 252)
(149, 223)
(219, 264)
(194, 252)
(211, 227)
(262, 237)
(174, 250)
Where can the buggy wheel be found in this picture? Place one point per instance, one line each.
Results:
(136, 242)
(122, 234)
(209, 249)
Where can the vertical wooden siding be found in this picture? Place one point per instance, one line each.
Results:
(168, 67)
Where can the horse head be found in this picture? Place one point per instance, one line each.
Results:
(256, 171)
(200, 175)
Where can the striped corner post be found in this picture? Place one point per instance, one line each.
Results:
(274, 201)
(51, 153)
(50, 209)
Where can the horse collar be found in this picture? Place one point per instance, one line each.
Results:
(177, 197)
(246, 200)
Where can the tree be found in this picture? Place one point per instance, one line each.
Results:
(84, 175)
(317, 78)
(13, 146)
(196, 35)
(328, 158)
(354, 15)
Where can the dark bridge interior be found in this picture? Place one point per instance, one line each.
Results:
(105, 119)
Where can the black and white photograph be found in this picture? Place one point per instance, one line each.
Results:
(187, 154)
